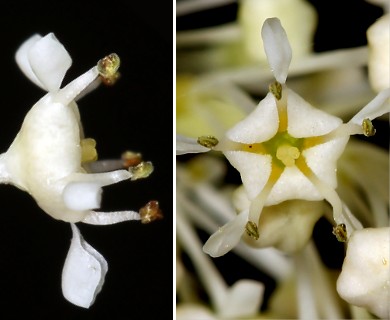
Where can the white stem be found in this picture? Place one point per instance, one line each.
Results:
(208, 36)
(106, 218)
(210, 277)
(307, 309)
(192, 6)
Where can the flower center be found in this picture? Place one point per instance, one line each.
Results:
(284, 149)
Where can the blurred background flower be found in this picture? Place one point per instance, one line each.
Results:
(221, 75)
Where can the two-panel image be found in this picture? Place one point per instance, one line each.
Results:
(195, 160)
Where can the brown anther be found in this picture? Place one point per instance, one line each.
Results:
(150, 212)
(131, 159)
(340, 231)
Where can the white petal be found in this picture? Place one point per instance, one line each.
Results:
(375, 108)
(322, 159)
(254, 169)
(365, 277)
(49, 61)
(83, 273)
(277, 48)
(188, 145)
(227, 237)
(261, 125)
(292, 184)
(82, 195)
(23, 62)
(243, 299)
(306, 121)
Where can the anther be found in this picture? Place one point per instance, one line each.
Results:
(252, 230)
(276, 89)
(340, 231)
(108, 68)
(150, 212)
(141, 171)
(368, 128)
(208, 141)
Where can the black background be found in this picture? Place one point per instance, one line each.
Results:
(135, 114)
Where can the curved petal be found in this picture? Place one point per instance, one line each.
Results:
(306, 121)
(261, 125)
(23, 62)
(49, 61)
(322, 159)
(375, 108)
(227, 237)
(254, 169)
(83, 273)
(277, 48)
(243, 299)
(82, 195)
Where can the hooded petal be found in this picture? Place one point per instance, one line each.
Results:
(277, 48)
(254, 169)
(23, 61)
(226, 237)
(83, 273)
(261, 125)
(365, 277)
(307, 121)
(44, 61)
(243, 299)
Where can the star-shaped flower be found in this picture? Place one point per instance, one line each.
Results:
(285, 149)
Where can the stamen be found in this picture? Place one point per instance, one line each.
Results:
(208, 141)
(108, 68)
(276, 89)
(252, 230)
(258, 203)
(150, 212)
(368, 128)
(330, 195)
(141, 171)
(340, 231)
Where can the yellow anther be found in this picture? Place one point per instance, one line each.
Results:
(108, 68)
(368, 128)
(88, 150)
(252, 230)
(208, 141)
(141, 171)
(287, 154)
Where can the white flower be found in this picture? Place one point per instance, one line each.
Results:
(286, 149)
(365, 277)
(49, 159)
